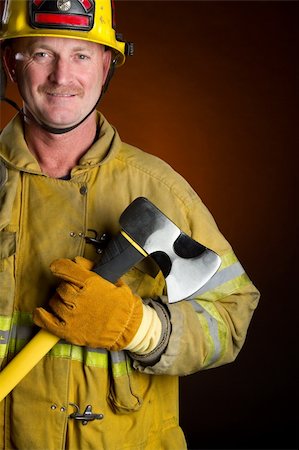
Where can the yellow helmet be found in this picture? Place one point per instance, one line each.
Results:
(91, 20)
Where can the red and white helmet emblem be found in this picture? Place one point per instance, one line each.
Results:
(62, 14)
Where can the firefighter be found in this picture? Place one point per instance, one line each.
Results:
(111, 382)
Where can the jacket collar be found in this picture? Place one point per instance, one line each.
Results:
(15, 153)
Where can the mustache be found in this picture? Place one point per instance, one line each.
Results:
(60, 90)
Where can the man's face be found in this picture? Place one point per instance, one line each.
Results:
(59, 79)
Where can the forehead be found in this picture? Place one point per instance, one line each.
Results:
(55, 43)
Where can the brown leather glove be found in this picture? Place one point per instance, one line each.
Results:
(88, 310)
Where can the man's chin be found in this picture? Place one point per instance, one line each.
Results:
(59, 124)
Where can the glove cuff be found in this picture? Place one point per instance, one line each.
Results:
(148, 334)
(134, 318)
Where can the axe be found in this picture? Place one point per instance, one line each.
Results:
(145, 231)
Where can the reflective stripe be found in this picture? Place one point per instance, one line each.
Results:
(230, 277)
(215, 330)
(97, 359)
(21, 332)
(5, 323)
(4, 335)
(118, 357)
(120, 366)
(16, 331)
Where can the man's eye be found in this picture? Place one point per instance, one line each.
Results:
(83, 57)
(40, 55)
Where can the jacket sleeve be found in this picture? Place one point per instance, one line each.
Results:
(210, 329)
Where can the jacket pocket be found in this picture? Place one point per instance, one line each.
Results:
(124, 394)
(7, 278)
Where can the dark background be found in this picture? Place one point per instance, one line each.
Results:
(212, 90)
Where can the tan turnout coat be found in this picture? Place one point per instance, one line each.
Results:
(43, 218)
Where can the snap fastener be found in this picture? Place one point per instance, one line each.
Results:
(83, 190)
(62, 409)
(73, 234)
(53, 407)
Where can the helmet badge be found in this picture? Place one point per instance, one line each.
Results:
(62, 14)
(64, 5)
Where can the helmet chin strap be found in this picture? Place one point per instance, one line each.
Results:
(46, 127)
(54, 130)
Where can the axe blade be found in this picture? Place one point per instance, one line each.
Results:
(186, 264)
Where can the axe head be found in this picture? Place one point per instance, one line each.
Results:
(186, 264)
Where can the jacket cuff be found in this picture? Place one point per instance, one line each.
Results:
(153, 357)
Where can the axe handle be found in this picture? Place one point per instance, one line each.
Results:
(119, 256)
(25, 360)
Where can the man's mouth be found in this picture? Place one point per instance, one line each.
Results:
(61, 92)
(57, 94)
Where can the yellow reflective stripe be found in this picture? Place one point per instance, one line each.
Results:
(215, 330)
(225, 289)
(120, 369)
(208, 338)
(230, 277)
(5, 323)
(121, 364)
(22, 319)
(81, 354)
(221, 325)
(61, 351)
(227, 260)
(18, 328)
(3, 349)
(94, 359)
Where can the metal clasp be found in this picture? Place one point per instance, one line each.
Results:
(100, 242)
(87, 416)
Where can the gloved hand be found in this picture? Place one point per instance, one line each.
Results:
(88, 310)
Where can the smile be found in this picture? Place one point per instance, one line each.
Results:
(60, 95)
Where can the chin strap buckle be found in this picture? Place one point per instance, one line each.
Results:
(87, 416)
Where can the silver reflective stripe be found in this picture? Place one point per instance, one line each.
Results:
(96, 350)
(213, 329)
(21, 332)
(4, 336)
(221, 277)
(118, 357)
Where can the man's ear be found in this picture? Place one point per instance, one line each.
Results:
(9, 63)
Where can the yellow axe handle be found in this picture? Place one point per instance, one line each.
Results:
(25, 360)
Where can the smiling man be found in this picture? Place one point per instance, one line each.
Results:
(60, 81)
(111, 382)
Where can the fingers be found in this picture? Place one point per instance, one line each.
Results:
(44, 319)
(69, 270)
(63, 303)
(61, 309)
(83, 262)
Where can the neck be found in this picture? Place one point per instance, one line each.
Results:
(58, 154)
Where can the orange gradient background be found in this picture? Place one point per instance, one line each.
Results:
(212, 90)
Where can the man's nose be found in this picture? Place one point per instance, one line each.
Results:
(61, 71)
